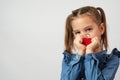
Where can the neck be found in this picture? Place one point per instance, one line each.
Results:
(99, 49)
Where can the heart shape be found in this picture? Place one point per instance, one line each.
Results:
(86, 41)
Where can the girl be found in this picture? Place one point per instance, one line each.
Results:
(86, 46)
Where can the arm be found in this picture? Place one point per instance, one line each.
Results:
(92, 71)
(71, 66)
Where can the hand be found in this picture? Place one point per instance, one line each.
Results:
(92, 47)
(78, 43)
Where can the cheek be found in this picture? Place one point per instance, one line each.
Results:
(95, 34)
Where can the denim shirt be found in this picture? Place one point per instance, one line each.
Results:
(99, 66)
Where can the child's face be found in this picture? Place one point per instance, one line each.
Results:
(85, 25)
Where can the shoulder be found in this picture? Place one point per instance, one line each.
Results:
(116, 52)
(113, 58)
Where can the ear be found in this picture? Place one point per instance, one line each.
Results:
(102, 28)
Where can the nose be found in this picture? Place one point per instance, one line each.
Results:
(85, 35)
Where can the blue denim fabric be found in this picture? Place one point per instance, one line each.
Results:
(98, 66)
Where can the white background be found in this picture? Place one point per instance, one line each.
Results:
(32, 35)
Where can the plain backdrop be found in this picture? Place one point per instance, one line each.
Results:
(32, 35)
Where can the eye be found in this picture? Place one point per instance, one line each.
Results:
(76, 32)
(89, 29)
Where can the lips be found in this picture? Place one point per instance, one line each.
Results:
(86, 41)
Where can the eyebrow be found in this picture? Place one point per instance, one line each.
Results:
(89, 26)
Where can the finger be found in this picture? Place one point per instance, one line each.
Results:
(79, 38)
(96, 40)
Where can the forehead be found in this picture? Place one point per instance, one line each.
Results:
(82, 21)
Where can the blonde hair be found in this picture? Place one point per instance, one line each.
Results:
(97, 14)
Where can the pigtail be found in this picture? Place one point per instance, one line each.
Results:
(68, 35)
(103, 17)
(103, 20)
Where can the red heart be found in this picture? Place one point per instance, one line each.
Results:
(86, 41)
